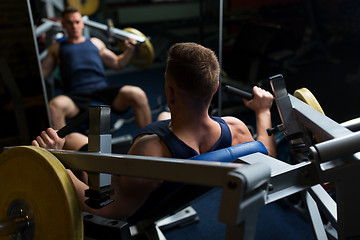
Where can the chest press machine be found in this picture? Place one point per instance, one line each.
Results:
(323, 151)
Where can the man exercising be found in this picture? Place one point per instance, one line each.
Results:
(82, 62)
(191, 79)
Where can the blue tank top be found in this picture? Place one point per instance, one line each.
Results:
(81, 67)
(175, 192)
(177, 147)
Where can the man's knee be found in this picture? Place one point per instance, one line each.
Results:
(62, 105)
(141, 96)
(165, 115)
(134, 94)
(58, 102)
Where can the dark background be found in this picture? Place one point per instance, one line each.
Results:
(313, 43)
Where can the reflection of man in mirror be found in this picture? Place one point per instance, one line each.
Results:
(82, 62)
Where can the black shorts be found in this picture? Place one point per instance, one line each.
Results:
(103, 96)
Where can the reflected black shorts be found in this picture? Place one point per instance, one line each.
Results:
(103, 96)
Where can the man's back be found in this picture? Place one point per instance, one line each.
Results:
(179, 148)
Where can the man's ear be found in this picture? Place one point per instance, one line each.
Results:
(170, 95)
(217, 87)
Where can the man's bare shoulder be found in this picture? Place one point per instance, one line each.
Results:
(98, 43)
(239, 131)
(233, 121)
(149, 145)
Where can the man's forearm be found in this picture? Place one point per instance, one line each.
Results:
(124, 58)
(263, 122)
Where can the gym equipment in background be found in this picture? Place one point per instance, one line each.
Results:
(86, 7)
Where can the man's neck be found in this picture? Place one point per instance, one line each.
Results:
(76, 39)
(199, 132)
(188, 120)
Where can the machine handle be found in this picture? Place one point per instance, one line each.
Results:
(238, 92)
(78, 120)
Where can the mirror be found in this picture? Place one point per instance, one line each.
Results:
(162, 22)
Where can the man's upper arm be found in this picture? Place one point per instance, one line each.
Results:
(49, 63)
(149, 145)
(239, 131)
(108, 57)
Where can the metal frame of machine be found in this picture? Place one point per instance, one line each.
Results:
(264, 179)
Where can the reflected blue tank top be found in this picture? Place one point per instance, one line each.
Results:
(81, 67)
(177, 147)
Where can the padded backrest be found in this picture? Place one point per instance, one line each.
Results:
(230, 154)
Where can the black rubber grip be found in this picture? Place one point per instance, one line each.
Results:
(238, 92)
(71, 126)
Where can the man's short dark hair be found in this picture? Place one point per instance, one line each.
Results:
(69, 10)
(194, 68)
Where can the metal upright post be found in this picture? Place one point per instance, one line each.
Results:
(220, 55)
(99, 141)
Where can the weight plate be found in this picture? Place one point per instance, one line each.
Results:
(35, 178)
(86, 7)
(144, 54)
(307, 97)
